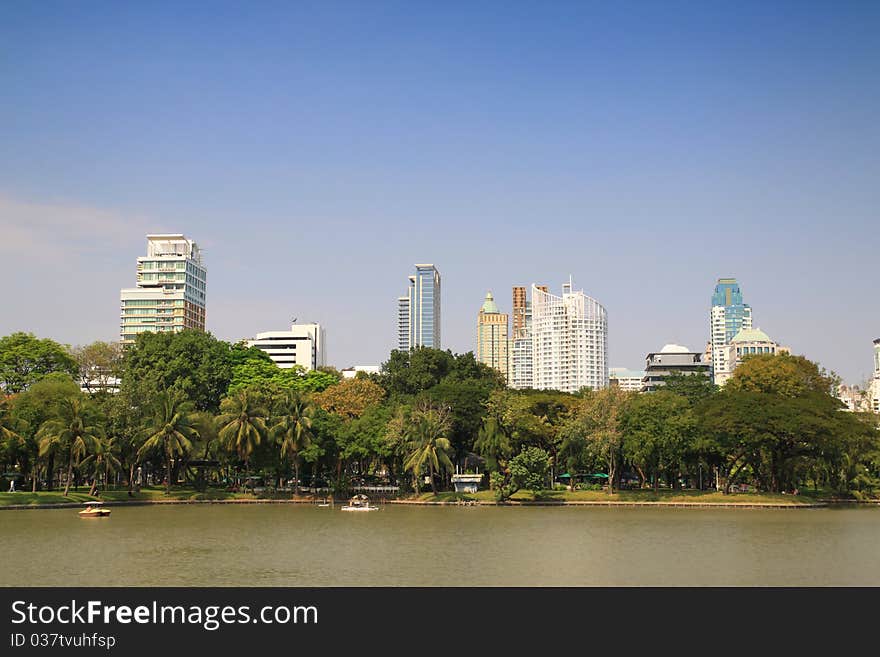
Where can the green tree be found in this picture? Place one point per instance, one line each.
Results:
(693, 387)
(427, 443)
(192, 362)
(103, 462)
(350, 398)
(414, 371)
(529, 469)
(74, 433)
(11, 442)
(170, 432)
(658, 430)
(99, 363)
(242, 423)
(595, 424)
(782, 374)
(25, 359)
(293, 429)
(30, 409)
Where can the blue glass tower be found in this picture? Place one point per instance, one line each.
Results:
(728, 316)
(728, 294)
(418, 317)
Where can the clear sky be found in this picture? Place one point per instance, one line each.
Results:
(318, 150)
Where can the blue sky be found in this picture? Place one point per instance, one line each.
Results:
(318, 150)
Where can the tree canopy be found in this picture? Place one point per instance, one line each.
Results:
(25, 359)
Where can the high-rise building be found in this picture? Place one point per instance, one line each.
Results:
(875, 383)
(170, 292)
(403, 322)
(672, 359)
(418, 313)
(492, 340)
(519, 311)
(302, 345)
(569, 341)
(522, 310)
(521, 375)
(520, 346)
(728, 316)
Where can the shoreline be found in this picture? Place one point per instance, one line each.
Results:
(819, 504)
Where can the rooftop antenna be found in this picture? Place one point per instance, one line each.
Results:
(293, 321)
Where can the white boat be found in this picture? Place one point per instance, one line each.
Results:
(359, 503)
(94, 510)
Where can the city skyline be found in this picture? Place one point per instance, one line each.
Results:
(315, 161)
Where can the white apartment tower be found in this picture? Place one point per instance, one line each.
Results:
(875, 383)
(569, 341)
(170, 292)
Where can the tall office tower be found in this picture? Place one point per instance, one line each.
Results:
(418, 313)
(729, 315)
(569, 341)
(492, 336)
(302, 345)
(170, 292)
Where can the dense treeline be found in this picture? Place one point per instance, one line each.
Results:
(191, 408)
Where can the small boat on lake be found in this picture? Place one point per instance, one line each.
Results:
(359, 502)
(94, 510)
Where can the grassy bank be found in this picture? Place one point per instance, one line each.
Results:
(642, 496)
(148, 494)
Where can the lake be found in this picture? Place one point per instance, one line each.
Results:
(305, 545)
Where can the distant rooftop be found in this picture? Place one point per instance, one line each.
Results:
(623, 373)
(489, 305)
(675, 349)
(751, 335)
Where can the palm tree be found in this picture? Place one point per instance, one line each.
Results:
(293, 429)
(171, 431)
(427, 443)
(242, 423)
(103, 460)
(69, 433)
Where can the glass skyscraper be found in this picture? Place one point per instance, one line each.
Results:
(727, 317)
(418, 313)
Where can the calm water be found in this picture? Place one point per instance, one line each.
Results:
(302, 545)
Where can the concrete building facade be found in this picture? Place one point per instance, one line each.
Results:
(302, 345)
(569, 341)
(492, 340)
(747, 342)
(629, 380)
(672, 359)
(170, 292)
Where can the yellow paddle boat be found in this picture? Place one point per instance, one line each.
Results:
(94, 510)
